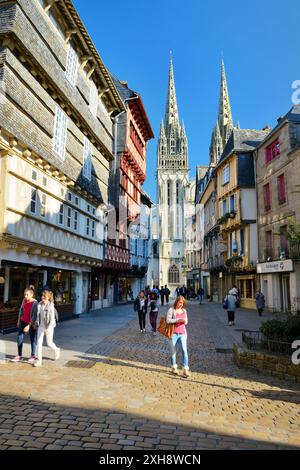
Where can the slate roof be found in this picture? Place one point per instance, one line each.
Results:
(243, 140)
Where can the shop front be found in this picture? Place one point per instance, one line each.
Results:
(63, 285)
(247, 285)
(15, 277)
(279, 285)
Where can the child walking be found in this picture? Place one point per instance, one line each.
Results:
(46, 323)
(26, 323)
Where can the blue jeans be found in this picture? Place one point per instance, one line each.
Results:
(182, 341)
(32, 334)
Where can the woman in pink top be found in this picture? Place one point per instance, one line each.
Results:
(178, 316)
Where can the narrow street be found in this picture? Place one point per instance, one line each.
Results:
(112, 389)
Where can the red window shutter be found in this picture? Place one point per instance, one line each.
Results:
(281, 189)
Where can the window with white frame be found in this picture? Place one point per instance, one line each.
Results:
(87, 226)
(45, 181)
(69, 217)
(93, 98)
(34, 175)
(76, 200)
(75, 226)
(43, 205)
(60, 133)
(72, 64)
(226, 174)
(61, 215)
(87, 159)
(33, 200)
(93, 228)
(69, 196)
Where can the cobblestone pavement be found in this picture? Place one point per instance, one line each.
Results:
(120, 394)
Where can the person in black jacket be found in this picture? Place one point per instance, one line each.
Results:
(140, 306)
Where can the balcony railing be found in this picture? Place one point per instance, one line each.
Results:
(281, 253)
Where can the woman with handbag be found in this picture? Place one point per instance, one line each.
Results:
(178, 316)
(140, 306)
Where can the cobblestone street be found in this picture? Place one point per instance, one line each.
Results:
(118, 393)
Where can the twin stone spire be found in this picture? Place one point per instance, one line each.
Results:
(173, 144)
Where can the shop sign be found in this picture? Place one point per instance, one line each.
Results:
(275, 267)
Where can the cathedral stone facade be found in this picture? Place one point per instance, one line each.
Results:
(172, 181)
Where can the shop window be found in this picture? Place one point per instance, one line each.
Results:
(63, 284)
(2, 282)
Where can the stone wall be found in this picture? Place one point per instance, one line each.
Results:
(267, 363)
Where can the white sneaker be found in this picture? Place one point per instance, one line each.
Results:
(37, 364)
(175, 370)
(144, 331)
(186, 372)
(57, 354)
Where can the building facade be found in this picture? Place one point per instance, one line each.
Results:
(132, 132)
(278, 169)
(237, 214)
(172, 181)
(56, 148)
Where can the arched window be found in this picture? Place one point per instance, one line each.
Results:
(173, 277)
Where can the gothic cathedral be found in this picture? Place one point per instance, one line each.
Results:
(172, 180)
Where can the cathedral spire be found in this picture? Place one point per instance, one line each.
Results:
(224, 117)
(171, 115)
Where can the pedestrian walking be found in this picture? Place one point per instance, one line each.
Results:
(26, 324)
(153, 313)
(178, 316)
(230, 305)
(140, 306)
(201, 295)
(260, 302)
(167, 293)
(162, 295)
(46, 322)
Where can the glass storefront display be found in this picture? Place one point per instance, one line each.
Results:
(124, 292)
(2, 282)
(63, 285)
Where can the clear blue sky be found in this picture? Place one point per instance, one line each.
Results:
(259, 40)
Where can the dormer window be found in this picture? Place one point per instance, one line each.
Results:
(272, 151)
